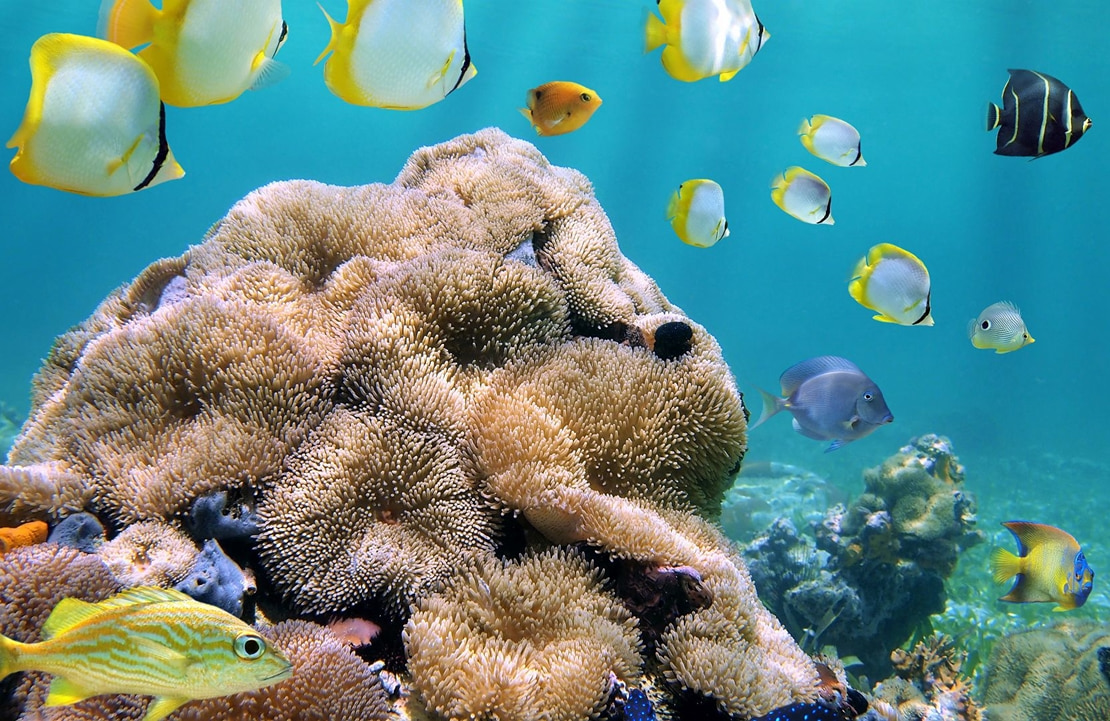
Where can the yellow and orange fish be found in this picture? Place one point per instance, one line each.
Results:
(1050, 567)
(149, 641)
(560, 107)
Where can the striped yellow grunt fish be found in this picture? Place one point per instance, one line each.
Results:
(149, 641)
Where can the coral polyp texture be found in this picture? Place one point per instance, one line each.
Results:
(395, 388)
(536, 638)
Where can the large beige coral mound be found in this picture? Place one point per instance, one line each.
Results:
(403, 375)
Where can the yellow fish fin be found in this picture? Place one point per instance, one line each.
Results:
(144, 594)
(1004, 565)
(63, 693)
(528, 114)
(68, 613)
(655, 32)
(336, 31)
(1030, 535)
(437, 77)
(885, 319)
(267, 71)
(725, 77)
(129, 23)
(162, 707)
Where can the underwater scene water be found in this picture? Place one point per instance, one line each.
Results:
(913, 78)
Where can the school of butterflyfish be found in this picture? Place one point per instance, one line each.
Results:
(95, 124)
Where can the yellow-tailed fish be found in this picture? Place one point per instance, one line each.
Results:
(397, 54)
(704, 38)
(148, 641)
(1000, 327)
(204, 52)
(560, 107)
(94, 124)
(803, 195)
(1050, 567)
(895, 283)
(832, 140)
(697, 213)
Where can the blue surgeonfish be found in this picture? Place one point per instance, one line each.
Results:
(831, 399)
(803, 195)
(94, 124)
(832, 140)
(895, 283)
(204, 52)
(697, 213)
(397, 54)
(1039, 116)
(704, 38)
(1050, 567)
(999, 327)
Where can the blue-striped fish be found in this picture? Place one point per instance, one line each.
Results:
(1039, 116)
(148, 641)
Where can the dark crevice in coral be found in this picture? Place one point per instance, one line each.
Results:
(616, 332)
(656, 595)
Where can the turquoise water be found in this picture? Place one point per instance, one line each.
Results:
(1029, 426)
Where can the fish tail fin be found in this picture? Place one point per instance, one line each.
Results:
(333, 42)
(994, 116)
(9, 655)
(655, 32)
(805, 127)
(772, 404)
(1004, 565)
(127, 23)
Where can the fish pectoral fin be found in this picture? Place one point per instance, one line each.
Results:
(834, 445)
(437, 77)
(135, 173)
(725, 77)
(164, 655)
(267, 71)
(63, 693)
(162, 707)
(884, 318)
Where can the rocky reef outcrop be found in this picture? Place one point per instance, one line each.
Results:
(876, 567)
(378, 398)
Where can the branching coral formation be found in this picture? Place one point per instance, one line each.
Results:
(928, 683)
(393, 385)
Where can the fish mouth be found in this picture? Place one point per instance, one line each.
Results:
(280, 675)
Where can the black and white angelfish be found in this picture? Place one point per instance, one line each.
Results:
(1039, 116)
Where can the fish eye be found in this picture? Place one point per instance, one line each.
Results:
(249, 646)
(585, 97)
(868, 396)
(1025, 336)
(985, 325)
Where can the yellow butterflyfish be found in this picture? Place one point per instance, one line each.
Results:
(204, 52)
(895, 283)
(803, 195)
(697, 213)
(397, 54)
(832, 140)
(94, 123)
(704, 38)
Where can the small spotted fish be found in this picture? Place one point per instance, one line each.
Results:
(149, 641)
(804, 712)
(638, 707)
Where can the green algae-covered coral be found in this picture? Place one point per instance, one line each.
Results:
(404, 381)
(1059, 673)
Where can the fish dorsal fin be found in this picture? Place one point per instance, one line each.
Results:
(1030, 535)
(144, 594)
(68, 613)
(63, 692)
(797, 374)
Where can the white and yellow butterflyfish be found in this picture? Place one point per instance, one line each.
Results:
(894, 283)
(397, 54)
(697, 213)
(703, 38)
(803, 195)
(832, 140)
(204, 52)
(94, 124)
